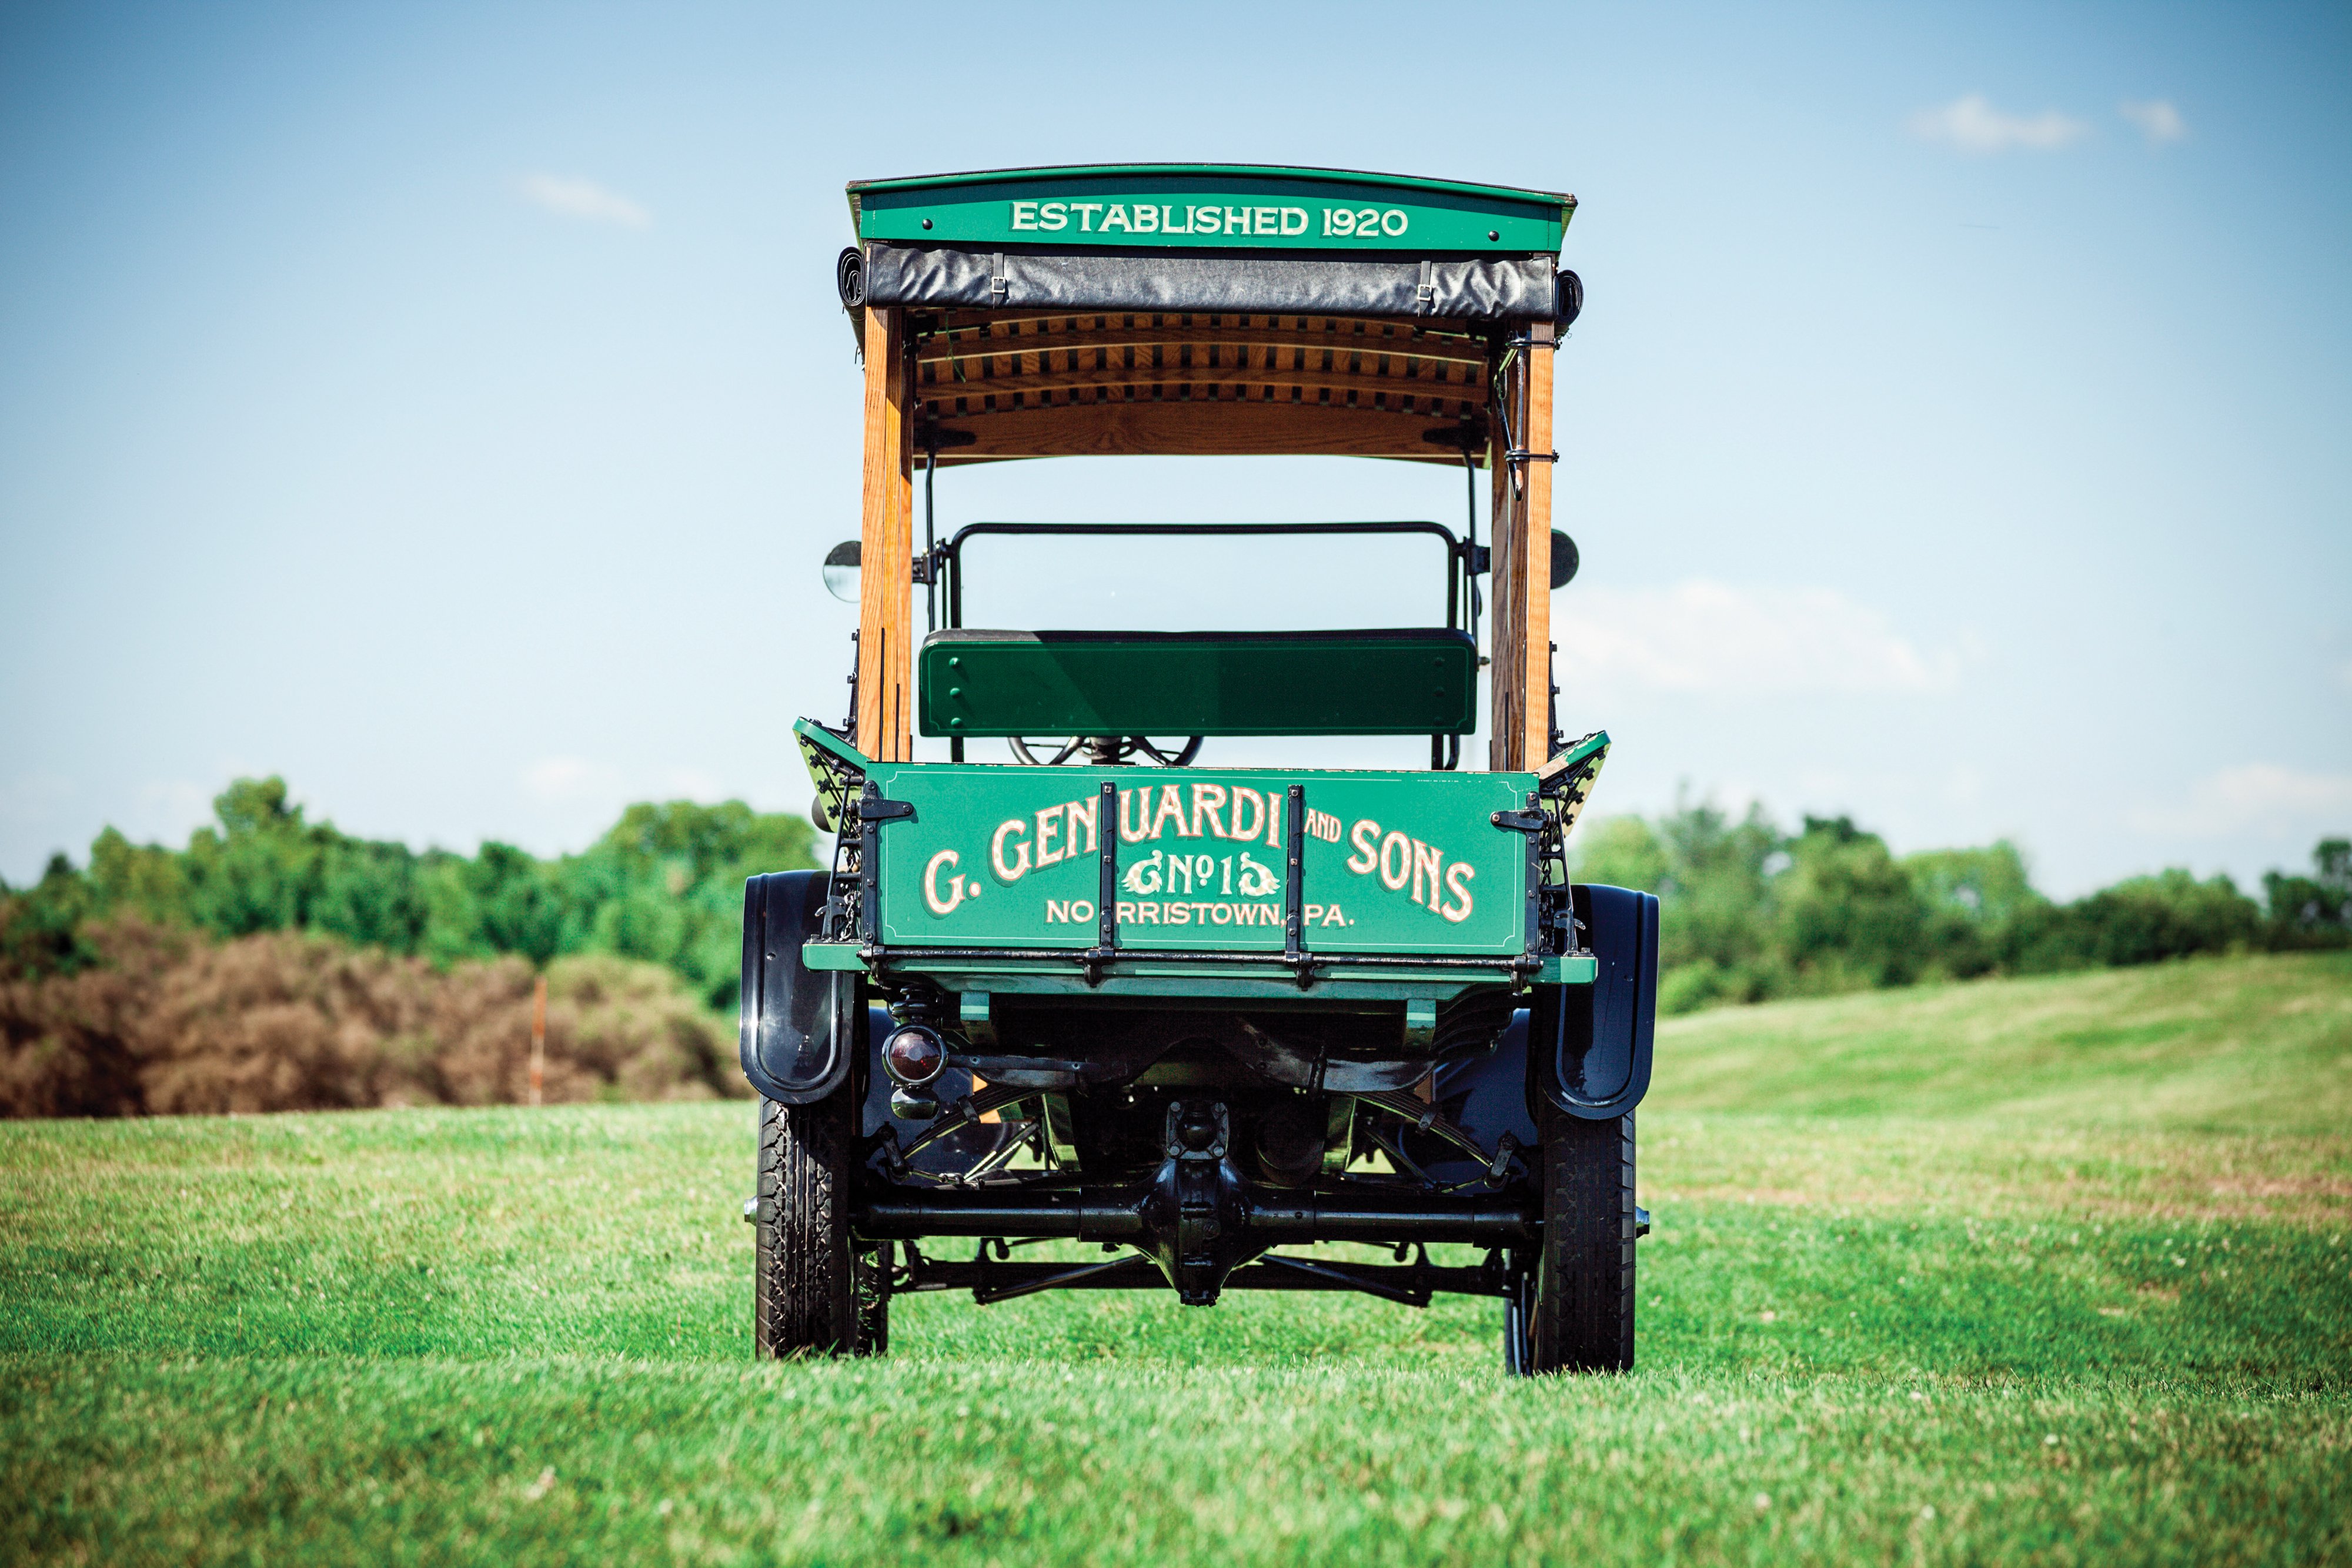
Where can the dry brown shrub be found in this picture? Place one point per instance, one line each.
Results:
(284, 1021)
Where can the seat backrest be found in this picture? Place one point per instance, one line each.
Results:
(1407, 681)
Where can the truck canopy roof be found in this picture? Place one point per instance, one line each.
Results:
(1204, 308)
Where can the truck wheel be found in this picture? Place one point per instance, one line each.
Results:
(813, 1291)
(1582, 1317)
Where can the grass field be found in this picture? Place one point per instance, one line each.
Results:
(2045, 1270)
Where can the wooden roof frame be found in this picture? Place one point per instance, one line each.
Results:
(963, 386)
(989, 386)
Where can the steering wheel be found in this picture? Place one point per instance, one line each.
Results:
(1105, 750)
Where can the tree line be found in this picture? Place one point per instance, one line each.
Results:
(665, 885)
(1751, 911)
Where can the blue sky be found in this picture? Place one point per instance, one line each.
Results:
(447, 406)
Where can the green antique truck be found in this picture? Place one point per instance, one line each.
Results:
(1182, 1022)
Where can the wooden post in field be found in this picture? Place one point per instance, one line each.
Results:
(538, 1036)
(886, 609)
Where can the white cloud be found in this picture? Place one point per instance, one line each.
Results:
(2157, 118)
(1718, 638)
(2253, 796)
(579, 198)
(1973, 125)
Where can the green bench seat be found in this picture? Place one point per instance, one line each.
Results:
(1411, 681)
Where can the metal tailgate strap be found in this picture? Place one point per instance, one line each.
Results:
(1106, 908)
(1294, 893)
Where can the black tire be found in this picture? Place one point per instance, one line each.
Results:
(1582, 1316)
(815, 1291)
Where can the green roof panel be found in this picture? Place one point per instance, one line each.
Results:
(1220, 206)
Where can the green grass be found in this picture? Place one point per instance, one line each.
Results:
(2050, 1271)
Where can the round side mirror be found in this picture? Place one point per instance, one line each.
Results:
(1563, 560)
(842, 575)
(1568, 299)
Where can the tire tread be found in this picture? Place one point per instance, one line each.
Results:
(808, 1274)
(1583, 1319)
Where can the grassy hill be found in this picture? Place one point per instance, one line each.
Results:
(2255, 1045)
(2031, 1271)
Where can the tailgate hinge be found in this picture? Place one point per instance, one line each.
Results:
(873, 809)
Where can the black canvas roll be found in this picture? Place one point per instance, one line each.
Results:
(1508, 288)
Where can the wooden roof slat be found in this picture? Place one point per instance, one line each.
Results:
(1213, 426)
(936, 348)
(1471, 391)
(1008, 324)
(1095, 353)
(1072, 320)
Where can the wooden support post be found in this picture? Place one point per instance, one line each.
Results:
(886, 609)
(1519, 680)
(1535, 473)
(1503, 635)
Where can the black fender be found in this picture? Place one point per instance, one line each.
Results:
(1589, 1047)
(798, 1027)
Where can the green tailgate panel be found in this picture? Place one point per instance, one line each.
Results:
(1394, 864)
(1416, 681)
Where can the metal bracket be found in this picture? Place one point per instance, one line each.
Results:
(1535, 822)
(934, 437)
(837, 781)
(1294, 892)
(873, 809)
